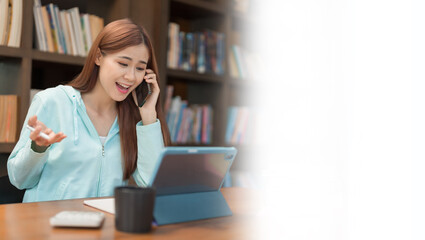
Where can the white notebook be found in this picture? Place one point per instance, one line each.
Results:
(105, 204)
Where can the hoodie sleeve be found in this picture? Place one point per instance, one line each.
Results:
(150, 143)
(24, 166)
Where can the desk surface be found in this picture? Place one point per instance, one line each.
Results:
(31, 221)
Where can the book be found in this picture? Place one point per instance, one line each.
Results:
(231, 119)
(239, 61)
(41, 41)
(59, 29)
(65, 32)
(182, 127)
(205, 117)
(197, 123)
(173, 114)
(15, 32)
(8, 121)
(8, 24)
(47, 28)
(238, 119)
(85, 22)
(168, 97)
(72, 37)
(201, 62)
(4, 19)
(96, 25)
(76, 26)
(233, 69)
(190, 54)
(173, 45)
(220, 54)
(178, 120)
(53, 28)
(181, 58)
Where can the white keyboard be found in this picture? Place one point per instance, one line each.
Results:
(84, 219)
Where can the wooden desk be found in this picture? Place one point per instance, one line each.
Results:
(31, 221)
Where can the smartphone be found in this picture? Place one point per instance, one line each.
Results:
(143, 91)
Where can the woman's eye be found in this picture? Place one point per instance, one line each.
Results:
(140, 69)
(123, 64)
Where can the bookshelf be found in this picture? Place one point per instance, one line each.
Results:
(220, 91)
(26, 67)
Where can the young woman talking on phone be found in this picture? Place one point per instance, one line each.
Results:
(98, 137)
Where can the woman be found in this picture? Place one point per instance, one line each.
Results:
(98, 136)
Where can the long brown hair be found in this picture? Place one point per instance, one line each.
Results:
(114, 37)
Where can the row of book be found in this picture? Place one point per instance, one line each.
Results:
(65, 31)
(203, 52)
(237, 124)
(188, 123)
(242, 63)
(9, 118)
(11, 22)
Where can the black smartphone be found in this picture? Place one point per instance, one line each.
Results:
(143, 91)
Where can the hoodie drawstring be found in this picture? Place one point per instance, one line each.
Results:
(75, 120)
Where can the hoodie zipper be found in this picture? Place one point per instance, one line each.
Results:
(100, 170)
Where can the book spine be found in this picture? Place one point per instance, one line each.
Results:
(201, 65)
(4, 13)
(60, 28)
(14, 39)
(179, 120)
(47, 29)
(55, 38)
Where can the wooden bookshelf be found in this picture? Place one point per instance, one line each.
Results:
(30, 68)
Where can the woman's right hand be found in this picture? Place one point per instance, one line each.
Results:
(39, 126)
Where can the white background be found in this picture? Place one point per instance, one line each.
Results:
(342, 109)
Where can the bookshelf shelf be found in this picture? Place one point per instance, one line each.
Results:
(6, 147)
(58, 58)
(194, 76)
(11, 52)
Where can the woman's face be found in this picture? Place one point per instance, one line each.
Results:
(121, 72)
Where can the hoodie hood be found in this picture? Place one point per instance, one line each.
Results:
(77, 102)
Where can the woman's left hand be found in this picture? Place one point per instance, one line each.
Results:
(148, 110)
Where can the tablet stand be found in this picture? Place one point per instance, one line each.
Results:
(185, 207)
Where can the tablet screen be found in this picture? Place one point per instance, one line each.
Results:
(187, 173)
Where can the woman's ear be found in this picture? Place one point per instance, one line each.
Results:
(98, 57)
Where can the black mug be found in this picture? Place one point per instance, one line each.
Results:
(134, 209)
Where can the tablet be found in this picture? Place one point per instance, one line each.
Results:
(191, 169)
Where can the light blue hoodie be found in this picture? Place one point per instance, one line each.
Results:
(80, 166)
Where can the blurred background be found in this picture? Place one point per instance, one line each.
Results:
(343, 130)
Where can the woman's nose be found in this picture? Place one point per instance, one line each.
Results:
(130, 74)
